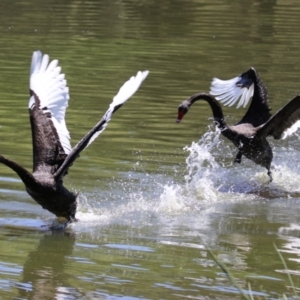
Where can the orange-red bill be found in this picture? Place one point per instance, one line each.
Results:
(180, 116)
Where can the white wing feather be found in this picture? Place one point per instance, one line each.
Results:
(291, 130)
(125, 92)
(47, 82)
(228, 93)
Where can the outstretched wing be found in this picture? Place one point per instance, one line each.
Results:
(125, 92)
(240, 90)
(284, 123)
(49, 96)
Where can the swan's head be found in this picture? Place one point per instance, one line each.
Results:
(182, 110)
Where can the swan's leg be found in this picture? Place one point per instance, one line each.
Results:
(270, 175)
(238, 157)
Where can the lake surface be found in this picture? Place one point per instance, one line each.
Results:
(155, 196)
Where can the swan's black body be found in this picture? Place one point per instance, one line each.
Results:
(250, 134)
(46, 189)
(52, 152)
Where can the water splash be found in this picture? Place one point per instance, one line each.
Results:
(211, 179)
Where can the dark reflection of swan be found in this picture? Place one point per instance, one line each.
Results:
(43, 272)
(52, 151)
(250, 134)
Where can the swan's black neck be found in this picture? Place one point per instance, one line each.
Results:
(215, 107)
(25, 176)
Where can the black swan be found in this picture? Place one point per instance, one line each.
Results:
(52, 152)
(250, 134)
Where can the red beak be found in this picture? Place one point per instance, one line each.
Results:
(180, 116)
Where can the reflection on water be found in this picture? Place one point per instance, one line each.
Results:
(148, 207)
(47, 280)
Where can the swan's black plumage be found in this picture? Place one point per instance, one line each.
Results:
(258, 112)
(52, 152)
(250, 134)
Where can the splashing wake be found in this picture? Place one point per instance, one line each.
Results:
(211, 178)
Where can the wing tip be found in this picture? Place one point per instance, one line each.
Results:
(140, 76)
(129, 88)
(35, 60)
(145, 74)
